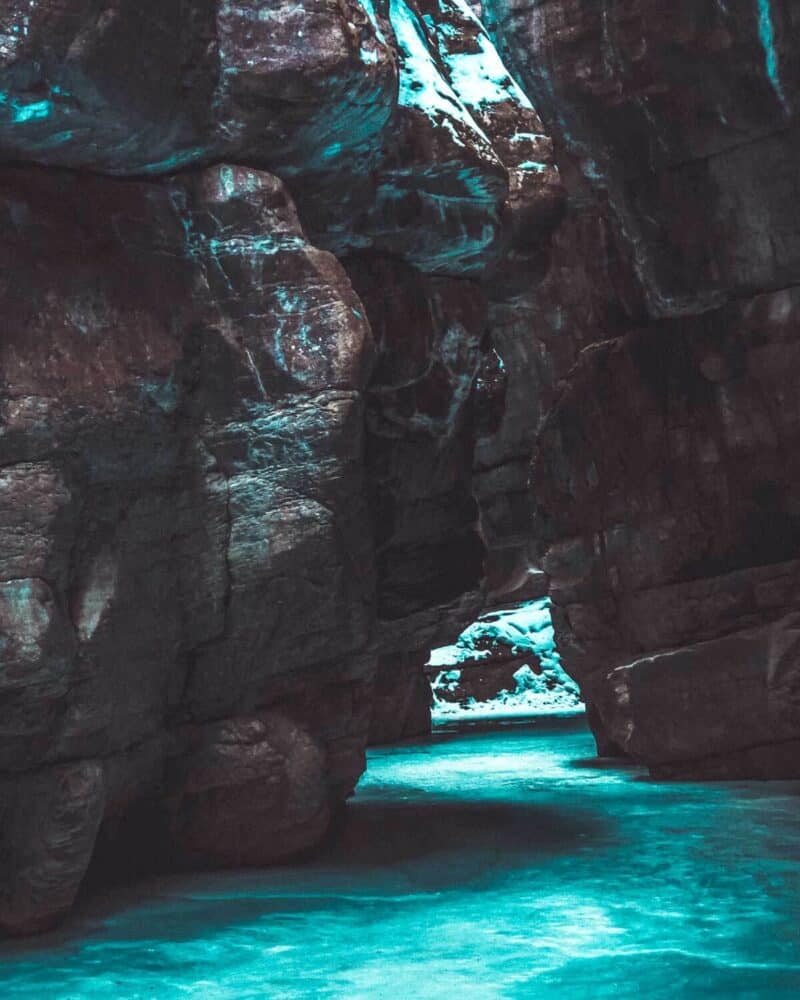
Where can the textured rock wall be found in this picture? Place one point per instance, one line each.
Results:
(665, 339)
(250, 253)
(282, 323)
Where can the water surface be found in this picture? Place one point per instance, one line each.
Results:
(474, 865)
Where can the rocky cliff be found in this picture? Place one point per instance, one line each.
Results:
(666, 481)
(282, 327)
(249, 253)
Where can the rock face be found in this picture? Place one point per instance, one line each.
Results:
(665, 338)
(401, 699)
(504, 663)
(282, 324)
(250, 254)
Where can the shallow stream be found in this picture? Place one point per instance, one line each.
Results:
(478, 864)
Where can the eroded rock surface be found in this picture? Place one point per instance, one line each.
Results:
(665, 352)
(249, 250)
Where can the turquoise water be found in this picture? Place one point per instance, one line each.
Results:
(480, 864)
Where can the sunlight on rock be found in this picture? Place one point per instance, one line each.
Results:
(468, 677)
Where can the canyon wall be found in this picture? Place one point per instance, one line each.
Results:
(250, 250)
(666, 486)
(283, 322)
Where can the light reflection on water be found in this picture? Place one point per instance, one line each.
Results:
(481, 864)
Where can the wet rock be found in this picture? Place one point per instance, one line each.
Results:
(466, 170)
(420, 439)
(675, 119)
(480, 680)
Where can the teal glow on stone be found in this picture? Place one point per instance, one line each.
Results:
(766, 32)
(32, 112)
(21, 113)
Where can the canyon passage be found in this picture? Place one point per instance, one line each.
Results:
(374, 367)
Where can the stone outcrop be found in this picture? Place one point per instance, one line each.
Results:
(666, 354)
(250, 250)
(506, 662)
